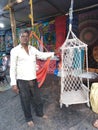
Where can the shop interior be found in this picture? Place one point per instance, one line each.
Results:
(69, 27)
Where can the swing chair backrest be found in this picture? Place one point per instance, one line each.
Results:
(72, 41)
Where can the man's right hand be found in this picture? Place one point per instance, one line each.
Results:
(15, 89)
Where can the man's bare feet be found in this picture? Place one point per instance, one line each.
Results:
(30, 123)
(45, 116)
(95, 123)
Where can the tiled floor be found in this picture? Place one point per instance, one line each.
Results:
(74, 117)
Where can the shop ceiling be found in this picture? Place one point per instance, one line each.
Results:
(42, 10)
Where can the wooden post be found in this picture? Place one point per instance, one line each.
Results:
(9, 7)
(31, 15)
(31, 12)
(13, 26)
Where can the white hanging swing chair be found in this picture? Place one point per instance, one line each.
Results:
(74, 63)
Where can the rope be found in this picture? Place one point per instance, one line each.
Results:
(71, 15)
(41, 43)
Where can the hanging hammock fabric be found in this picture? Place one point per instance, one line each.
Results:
(41, 74)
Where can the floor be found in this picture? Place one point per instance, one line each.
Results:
(74, 117)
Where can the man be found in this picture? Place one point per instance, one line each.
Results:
(23, 75)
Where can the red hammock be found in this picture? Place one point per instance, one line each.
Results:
(41, 74)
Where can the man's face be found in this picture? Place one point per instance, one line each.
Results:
(24, 38)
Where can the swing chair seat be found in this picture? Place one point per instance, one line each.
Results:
(73, 97)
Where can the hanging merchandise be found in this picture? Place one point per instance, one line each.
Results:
(74, 63)
(94, 97)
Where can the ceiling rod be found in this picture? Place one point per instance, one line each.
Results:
(85, 8)
(77, 10)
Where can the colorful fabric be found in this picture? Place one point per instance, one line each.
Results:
(41, 73)
(51, 68)
(60, 27)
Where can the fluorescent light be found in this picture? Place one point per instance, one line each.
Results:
(1, 25)
(19, 1)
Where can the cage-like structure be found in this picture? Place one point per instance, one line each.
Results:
(74, 64)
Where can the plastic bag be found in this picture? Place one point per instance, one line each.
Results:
(94, 97)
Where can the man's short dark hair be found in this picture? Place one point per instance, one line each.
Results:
(24, 31)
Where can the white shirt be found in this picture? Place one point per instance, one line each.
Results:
(23, 65)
